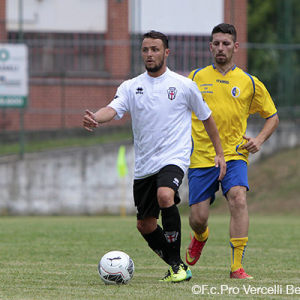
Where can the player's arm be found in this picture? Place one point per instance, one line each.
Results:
(254, 144)
(212, 131)
(92, 120)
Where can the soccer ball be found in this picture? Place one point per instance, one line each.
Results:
(116, 267)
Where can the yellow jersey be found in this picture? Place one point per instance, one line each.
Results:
(232, 98)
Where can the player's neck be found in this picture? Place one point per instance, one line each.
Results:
(224, 69)
(158, 73)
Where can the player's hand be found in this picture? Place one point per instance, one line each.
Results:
(220, 162)
(89, 121)
(253, 144)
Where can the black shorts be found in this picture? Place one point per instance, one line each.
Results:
(145, 190)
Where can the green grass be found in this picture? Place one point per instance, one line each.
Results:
(57, 257)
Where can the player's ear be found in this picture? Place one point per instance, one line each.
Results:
(210, 46)
(236, 46)
(167, 51)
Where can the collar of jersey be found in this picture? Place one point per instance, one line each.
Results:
(159, 78)
(213, 65)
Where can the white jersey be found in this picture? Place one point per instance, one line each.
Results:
(160, 109)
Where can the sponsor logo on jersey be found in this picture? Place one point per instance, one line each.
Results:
(235, 92)
(205, 88)
(172, 91)
(139, 91)
(206, 84)
(222, 81)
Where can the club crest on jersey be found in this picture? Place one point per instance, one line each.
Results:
(235, 92)
(172, 93)
(171, 236)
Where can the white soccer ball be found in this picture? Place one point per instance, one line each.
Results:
(116, 267)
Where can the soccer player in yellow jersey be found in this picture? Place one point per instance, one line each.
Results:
(232, 95)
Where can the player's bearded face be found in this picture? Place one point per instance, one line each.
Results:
(155, 67)
(222, 48)
(154, 54)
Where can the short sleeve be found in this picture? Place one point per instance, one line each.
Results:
(262, 102)
(191, 75)
(196, 102)
(120, 103)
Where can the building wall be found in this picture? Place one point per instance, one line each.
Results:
(56, 103)
(57, 15)
(195, 17)
(2, 20)
(67, 98)
(55, 106)
(235, 12)
(118, 55)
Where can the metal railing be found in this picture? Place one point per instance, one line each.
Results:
(83, 55)
(52, 54)
(186, 53)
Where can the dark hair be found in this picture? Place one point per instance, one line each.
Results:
(224, 28)
(157, 35)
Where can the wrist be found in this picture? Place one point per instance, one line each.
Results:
(95, 118)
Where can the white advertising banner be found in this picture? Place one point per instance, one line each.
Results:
(13, 75)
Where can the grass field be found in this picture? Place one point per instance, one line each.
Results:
(57, 257)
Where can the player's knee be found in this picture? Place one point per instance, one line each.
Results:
(146, 226)
(198, 220)
(165, 197)
(238, 203)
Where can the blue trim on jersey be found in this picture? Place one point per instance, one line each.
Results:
(213, 65)
(253, 88)
(271, 116)
(196, 73)
(192, 150)
(236, 150)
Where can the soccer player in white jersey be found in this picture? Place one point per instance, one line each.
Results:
(160, 103)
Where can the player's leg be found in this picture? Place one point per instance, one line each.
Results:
(168, 181)
(198, 218)
(154, 236)
(145, 199)
(235, 186)
(239, 224)
(203, 183)
(171, 222)
(239, 220)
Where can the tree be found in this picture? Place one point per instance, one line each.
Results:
(273, 52)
